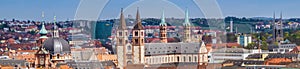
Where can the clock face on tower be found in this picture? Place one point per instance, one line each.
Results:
(42, 60)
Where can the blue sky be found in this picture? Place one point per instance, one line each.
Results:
(66, 9)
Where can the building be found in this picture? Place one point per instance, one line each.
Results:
(53, 50)
(282, 47)
(244, 39)
(87, 65)
(14, 64)
(223, 54)
(141, 54)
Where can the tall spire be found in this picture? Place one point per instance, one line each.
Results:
(186, 20)
(122, 21)
(138, 18)
(55, 31)
(163, 29)
(43, 30)
(54, 24)
(281, 28)
(138, 25)
(163, 21)
(274, 28)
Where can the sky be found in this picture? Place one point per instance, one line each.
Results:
(67, 9)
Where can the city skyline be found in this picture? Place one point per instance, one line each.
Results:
(64, 10)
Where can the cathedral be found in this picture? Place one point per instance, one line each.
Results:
(185, 54)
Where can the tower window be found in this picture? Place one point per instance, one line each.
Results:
(128, 48)
(120, 41)
(136, 40)
(142, 33)
(120, 33)
(136, 33)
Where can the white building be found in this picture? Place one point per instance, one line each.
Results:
(220, 55)
(244, 39)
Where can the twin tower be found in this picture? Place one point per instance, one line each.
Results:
(134, 53)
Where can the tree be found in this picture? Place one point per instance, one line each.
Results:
(264, 45)
(250, 46)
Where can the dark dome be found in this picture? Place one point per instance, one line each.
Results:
(57, 46)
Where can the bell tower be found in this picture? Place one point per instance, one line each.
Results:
(138, 41)
(277, 29)
(42, 59)
(187, 28)
(55, 31)
(163, 29)
(122, 39)
(43, 32)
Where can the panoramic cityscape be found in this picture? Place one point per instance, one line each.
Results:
(149, 34)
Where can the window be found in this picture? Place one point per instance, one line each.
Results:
(57, 56)
(120, 41)
(142, 33)
(136, 33)
(190, 59)
(178, 59)
(183, 59)
(128, 47)
(136, 40)
(195, 58)
(120, 33)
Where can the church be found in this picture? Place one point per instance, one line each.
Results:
(53, 50)
(137, 53)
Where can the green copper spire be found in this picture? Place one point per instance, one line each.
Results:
(186, 20)
(55, 27)
(43, 30)
(163, 22)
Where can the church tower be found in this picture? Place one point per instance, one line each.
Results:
(277, 29)
(187, 28)
(122, 39)
(163, 29)
(43, 33)
(55, 31)
(138, 41)
(42, 57)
